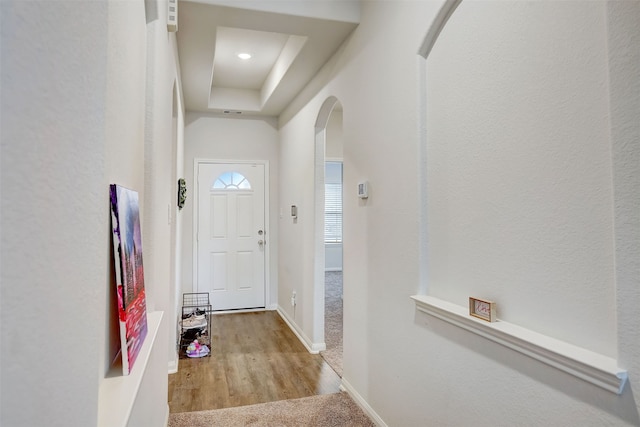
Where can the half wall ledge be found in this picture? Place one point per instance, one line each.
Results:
(118, 393)
(592, 367)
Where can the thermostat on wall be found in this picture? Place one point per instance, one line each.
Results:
(363, 190)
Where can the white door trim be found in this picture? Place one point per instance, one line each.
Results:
(320, 142)
(267, 247)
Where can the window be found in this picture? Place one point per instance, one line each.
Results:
(333, 203)
(231, 181)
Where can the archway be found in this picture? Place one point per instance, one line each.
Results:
(322, 122)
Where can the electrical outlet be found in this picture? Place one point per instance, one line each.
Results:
(293, 299)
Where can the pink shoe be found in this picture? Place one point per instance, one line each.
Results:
(202, 351)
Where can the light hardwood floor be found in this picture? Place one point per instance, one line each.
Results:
(255, 358)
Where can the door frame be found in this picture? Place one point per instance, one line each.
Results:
(320, 141)
(196, 208)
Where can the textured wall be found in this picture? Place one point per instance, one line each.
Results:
(333, 148)
(160, 171)
(295, 272)
(519, 167)
(412, 369)
(124, 146)
(624, 92)
(54, 211)
(218, 138)
(74, 86)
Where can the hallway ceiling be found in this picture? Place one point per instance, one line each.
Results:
(286, 50)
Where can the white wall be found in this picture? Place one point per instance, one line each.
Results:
(412, 369)
(221, 138)
(295, 272)
(74, 107)
(177, 241)
(624, 98)
(124, 146)
(55, 211)
(162, 147)
(519, 179)
(156, 145)
(342, 10)
(334, 144)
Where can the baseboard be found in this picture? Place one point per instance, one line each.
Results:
(345, 386)
(333, 269)
(313, 348)
(318, 347)
(173, 365)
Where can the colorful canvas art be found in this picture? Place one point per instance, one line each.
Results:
(127, 245)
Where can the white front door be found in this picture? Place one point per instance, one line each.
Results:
(231, 238)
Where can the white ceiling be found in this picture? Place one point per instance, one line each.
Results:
(287, 50)
(233, 72)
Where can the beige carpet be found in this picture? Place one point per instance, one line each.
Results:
(330, 410)
(333, 320)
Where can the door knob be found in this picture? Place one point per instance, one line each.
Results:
(261, 242)
(260, 232)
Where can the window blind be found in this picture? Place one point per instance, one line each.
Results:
(333, 213)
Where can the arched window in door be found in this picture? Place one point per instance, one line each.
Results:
(231, 181)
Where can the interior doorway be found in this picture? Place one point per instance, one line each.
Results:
(328, 279)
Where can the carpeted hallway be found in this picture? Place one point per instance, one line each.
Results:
(333, 320)
(329, 410)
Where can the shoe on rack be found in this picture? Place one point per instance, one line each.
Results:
(195, 349)
(188, 335)
(193, 322)
(198, 314)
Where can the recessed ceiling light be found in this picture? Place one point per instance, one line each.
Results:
(244, 55)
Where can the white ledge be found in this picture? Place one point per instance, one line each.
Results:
(593, 367)
(119, 392)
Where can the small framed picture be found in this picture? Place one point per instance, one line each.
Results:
(482, 309)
